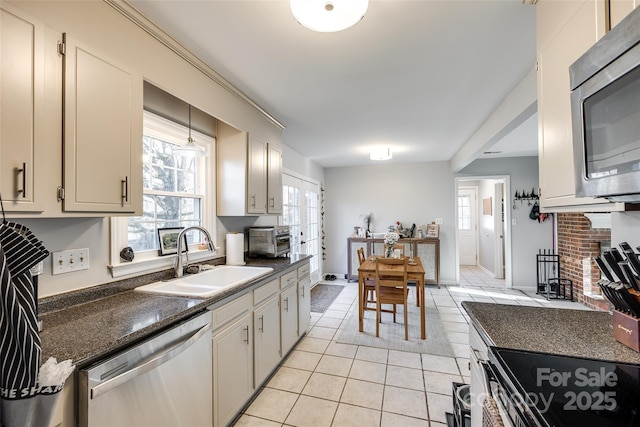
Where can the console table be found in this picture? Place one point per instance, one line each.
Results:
(427, 249)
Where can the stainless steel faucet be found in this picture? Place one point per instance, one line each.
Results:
(179, 265)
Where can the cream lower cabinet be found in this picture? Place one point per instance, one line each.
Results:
(289, 318)
(304, 299)
(232, 359)
(103, 103)
(251, 334)
(266, 327)
(565, 30)
(22, 76)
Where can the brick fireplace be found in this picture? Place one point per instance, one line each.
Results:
(578, 243)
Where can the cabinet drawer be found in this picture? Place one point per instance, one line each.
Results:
(303, 271)
(230, 310)
(265, 291)
(288, 279)
(477, 344)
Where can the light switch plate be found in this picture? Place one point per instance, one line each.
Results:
(439, 221)
(69, 261)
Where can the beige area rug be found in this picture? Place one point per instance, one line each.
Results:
(392, 334)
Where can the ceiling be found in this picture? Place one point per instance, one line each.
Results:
(420, 76)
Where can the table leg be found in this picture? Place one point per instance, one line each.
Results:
(360, 301)
(420, 294)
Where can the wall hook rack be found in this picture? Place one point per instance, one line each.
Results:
(525, 196)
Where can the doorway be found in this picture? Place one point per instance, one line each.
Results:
(301, 212)
(483, 231)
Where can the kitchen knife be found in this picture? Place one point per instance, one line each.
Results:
(617, 292)
(628, 274)
(616, 254)
(613, 264)
(607, 294)
(632, 257)
(604, 269)
(625, 247)
(632, 302)
(615, 296)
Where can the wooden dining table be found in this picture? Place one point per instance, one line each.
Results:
(415, 273)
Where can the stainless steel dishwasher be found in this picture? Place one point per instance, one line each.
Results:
(163, 381)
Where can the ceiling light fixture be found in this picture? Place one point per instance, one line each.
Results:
(380, 153)
(327, 16)
(190, 148)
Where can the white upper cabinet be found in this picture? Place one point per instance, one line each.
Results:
(249, 176)
(102, 133)
(274, 181)
(565, 30)
(21, 109)
(618, 9)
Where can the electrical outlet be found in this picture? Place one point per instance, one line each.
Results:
(69, 261)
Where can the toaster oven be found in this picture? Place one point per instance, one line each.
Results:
(269, 241)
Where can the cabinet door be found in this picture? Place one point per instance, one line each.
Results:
(619, 9)
(274, 181)
(256, 179)
(304, 304)
(102, 133)
(232, 370)
(352, 259)
(289, 317)
(574, 27)
(21, 109)
(266, 326)
(430, 257)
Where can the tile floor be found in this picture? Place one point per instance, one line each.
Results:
(325, 383)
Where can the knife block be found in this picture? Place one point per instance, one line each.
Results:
(626, 329)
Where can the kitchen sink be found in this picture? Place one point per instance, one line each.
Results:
(207, 283)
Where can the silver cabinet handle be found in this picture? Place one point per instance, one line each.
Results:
(246, 331)
(125, 190)
(261, 328)
(286, 304)
(155, 361)
(253, 201)
(23, 190)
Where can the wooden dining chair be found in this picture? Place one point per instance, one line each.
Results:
(369, 285)
(391, 288)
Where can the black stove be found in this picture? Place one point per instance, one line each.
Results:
(554, 390)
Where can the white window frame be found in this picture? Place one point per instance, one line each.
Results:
(150, 261)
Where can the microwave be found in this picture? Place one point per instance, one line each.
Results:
(269, 241)
(605, 115)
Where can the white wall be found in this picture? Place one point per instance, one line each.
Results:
(527, 236)
(294, 161)
(409, 193)
(625, 227)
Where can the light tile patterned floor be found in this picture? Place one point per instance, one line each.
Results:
(325, 383)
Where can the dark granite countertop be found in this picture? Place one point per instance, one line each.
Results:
(579, 333)
(88, 325)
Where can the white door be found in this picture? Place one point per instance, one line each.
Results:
(301, 212)
(500, 229)
(467, 228)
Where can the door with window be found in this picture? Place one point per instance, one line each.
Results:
(301, 212)
(467, 228)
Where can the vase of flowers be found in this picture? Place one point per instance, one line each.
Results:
(390, 239)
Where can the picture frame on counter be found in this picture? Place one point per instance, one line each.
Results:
(168, 240)
(433, 231)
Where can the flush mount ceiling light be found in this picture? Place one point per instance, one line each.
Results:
(380, 153)
(328, 15)
(190, 148)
